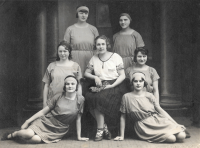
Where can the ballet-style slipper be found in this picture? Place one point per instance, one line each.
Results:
(5, 136)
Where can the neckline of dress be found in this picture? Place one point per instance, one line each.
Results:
(105, 60)
(63, 65)
(81, 27)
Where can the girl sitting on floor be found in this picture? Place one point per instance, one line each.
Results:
(52, 122)
(151, 122)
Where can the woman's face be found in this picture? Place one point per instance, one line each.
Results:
(141, 58)
(82, 16)
(63, 53)
(70, 84)
(124, 22)
(138, 83)
(101, 46)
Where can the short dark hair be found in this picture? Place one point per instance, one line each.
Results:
(64, 87)
(81, 10)
(142, 50)
(108, 45)
(67, 47)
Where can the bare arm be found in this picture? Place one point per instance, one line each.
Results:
(88, 74)
(42, 112)
(119, 79)
(164, 113)
(122, 127)
(45, 94)
(79, 86)
(156, 90)
(78, 129)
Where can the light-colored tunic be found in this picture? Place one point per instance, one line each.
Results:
(148, 123)
(55, 76)
(125, 45)
(53, 126)
(150, 74)
(82, 41)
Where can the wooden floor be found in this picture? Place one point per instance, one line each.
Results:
(71, 142)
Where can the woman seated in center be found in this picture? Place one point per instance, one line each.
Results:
(106, 72)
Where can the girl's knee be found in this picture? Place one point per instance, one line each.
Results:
(35, 140)
(171, 139)
(181, 136)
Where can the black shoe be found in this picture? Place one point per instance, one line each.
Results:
(99, 135)
(107, 135)
(187, 134)
(5, 136)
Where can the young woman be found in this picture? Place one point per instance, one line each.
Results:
(140, 59)
(81, 36)
(150, 121)
(106, 69)
(58, 70)
(126, 40)
(52, 122)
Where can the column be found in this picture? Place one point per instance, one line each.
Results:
(170, 56)
(37, 56)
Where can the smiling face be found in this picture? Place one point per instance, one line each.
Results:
(63, 53)
(70, 85)
(101, 46)
(82, 16)
(138, 83)
(141, 58)
(124, 22)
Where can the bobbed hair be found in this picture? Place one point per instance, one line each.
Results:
(142, 50)
(67, 46)
(81, 10)
(103, 37)
(70, 76)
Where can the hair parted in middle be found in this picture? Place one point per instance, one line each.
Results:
(142, 50)
(70, 76)
(67, 46)
(103, 37)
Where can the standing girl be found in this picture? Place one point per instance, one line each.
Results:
(81, 36)
(126, 40)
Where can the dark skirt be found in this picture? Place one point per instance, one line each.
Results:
(107, 101)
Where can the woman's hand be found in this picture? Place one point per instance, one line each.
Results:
(119, 138)
(108, 86)
(97, 81)
(25, 125)
(83, 139)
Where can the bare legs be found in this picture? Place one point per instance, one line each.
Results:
(177, 137)
(28, 135)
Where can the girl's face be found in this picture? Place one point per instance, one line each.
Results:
(63, 53)
(82, 16)
(141, 58)
(124, 22)
(138, 83)
(101, 46)
(70, 85)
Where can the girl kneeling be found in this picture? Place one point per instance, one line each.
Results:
(52, 123)
(151, 122)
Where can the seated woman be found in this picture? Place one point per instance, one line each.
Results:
(52, 122)
(140, 59)
(152, 124)
(58, 70)
(107, 72)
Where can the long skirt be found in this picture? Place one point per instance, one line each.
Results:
(107, 101)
